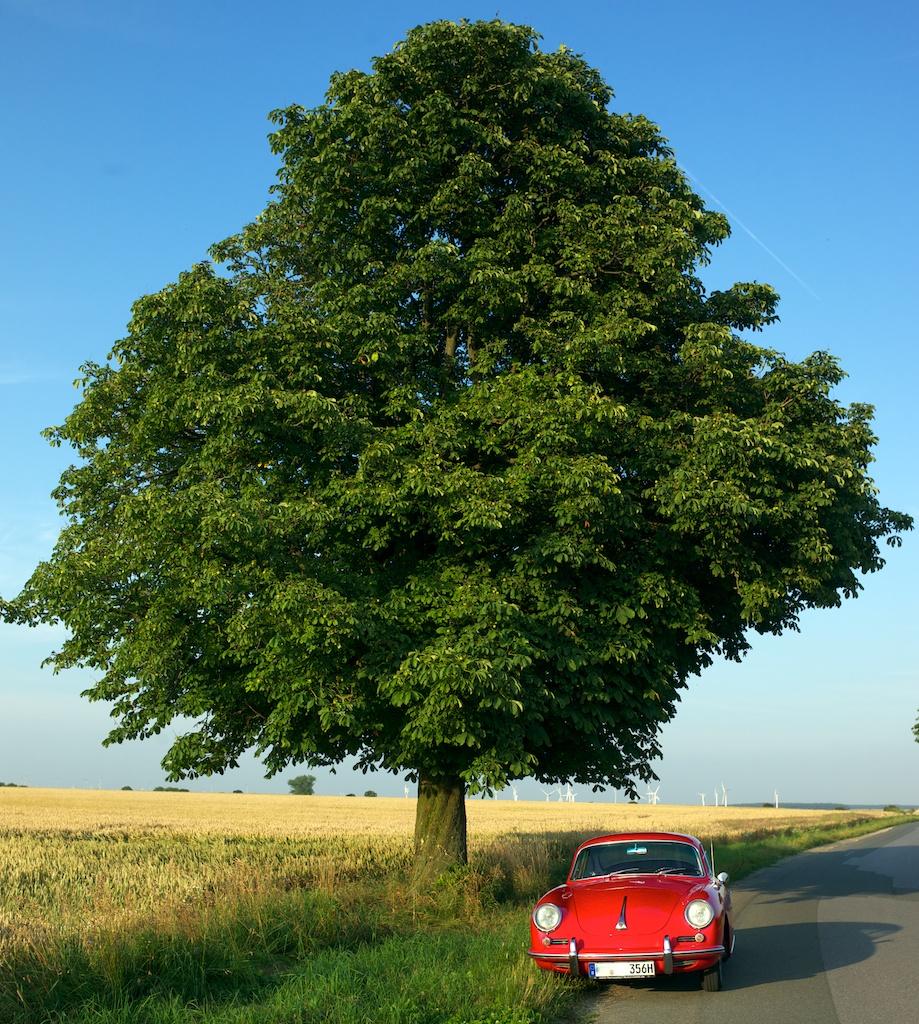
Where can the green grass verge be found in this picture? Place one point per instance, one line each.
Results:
(365, 952)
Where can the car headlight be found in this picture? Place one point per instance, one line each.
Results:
(547, 916)
(699, 913)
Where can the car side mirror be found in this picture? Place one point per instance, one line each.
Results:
(724, 877)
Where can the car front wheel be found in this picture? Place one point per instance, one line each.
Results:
(711, 978)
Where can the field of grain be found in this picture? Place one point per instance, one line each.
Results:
(76, 812)
(95, 859)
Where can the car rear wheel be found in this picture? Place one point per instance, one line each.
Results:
(711, 978)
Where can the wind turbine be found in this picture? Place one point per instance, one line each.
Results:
(724, 796)
(569, 794)
(655, 799)
(776, 795)
(548, 793)
(514, 791)
(716, 796)
(406, 792)
(703, 798)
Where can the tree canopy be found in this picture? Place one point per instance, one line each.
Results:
(302, 785)
(455, 466)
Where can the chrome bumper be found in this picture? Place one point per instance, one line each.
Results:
(575, 955)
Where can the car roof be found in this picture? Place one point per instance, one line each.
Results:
(626, 837)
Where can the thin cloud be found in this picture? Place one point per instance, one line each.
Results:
(12, 375)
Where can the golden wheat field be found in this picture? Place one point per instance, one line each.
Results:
(98, 813)
(89, 859)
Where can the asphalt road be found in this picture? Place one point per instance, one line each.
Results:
(827, 937)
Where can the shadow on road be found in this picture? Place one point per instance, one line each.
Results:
(776, 910)
(872, 866)
(790, 952)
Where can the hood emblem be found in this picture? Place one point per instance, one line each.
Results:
(620, 924)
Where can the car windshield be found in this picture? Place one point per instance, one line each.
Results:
(644, 857)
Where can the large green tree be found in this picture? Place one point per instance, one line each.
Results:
(456, 467)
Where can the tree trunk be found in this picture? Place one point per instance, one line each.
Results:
(440, 828)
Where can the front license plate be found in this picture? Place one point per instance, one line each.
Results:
(629, 969)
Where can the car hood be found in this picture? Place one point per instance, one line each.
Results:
(644, 905)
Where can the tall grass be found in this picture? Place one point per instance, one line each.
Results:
(181, 928)
(157, 915)
(365, 950)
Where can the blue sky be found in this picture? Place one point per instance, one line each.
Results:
(134, 137)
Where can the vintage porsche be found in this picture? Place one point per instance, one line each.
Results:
(636, 905)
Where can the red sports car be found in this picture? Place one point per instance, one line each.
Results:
(636, 905)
